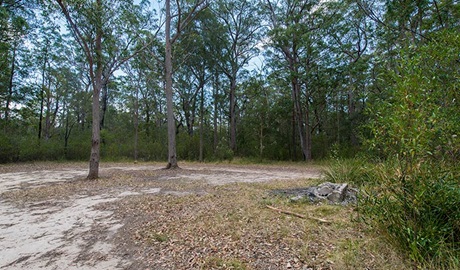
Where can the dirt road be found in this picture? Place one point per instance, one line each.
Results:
(45, 225)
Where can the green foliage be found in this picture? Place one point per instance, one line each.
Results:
(223, 152)
(355, 171)
(413, 197)
(78, 146)
(8, 149)
(419, 213)
(417, 118)
(188, 146)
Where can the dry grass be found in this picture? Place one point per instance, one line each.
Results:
(193, 225)
(231, 228)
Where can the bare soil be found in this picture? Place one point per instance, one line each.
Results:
(138, 216)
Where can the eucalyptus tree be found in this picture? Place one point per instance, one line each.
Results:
(193, 60)
(181, 19)
(348, 37)
(211, 32)
(142, 95)
(13, 28)
(409, 23)
(292, 40)
(243, 27)
(108, 32)
(49, 55)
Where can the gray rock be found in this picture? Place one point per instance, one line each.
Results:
(330, 192)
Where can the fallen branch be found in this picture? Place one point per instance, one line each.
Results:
(297, 215)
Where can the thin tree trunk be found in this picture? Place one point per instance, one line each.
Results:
(261, 138)
(48, 111)
(68, 130)
(293, 147)
(301, 125)
(216, 113)
(136, 122)
(42, 96)
(233, 113)
(105, 99)
(352, 111)
(201, 124)
(172, 157)
(308, 135)
(9, 97)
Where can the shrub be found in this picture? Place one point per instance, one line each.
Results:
(420, 213)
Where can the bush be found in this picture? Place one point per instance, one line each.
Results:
(353, 171)
(8, 149)
(420, 213)
(413, 196)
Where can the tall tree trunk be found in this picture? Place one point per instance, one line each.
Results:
(172, 157)
(308, 132)
(9, 97)
(261, 138)
(201, 124)
(97, 85)
(136, 122)
(216, 112)
(293, 148)
(233, 112)
(96, 133)
(42, 96)
(105, 99)
(301, 125)
(48, 111)
(352, 111)
(68, 129)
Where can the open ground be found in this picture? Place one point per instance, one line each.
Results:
(202, 216)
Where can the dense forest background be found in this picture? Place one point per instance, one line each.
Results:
(269, 80)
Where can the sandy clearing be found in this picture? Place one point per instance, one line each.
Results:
(73, 234)
(225, 175)
(50, 235)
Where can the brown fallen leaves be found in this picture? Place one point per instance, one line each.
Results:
(194, 225)
(231, 228)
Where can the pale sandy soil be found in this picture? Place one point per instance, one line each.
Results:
(71, 232)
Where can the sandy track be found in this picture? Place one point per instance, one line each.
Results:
(73, 233)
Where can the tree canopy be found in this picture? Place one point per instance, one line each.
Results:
(267, 80)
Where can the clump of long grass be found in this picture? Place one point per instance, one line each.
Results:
(417, 209)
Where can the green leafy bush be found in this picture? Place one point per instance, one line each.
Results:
(413, 195)
(8, 149)
(420, 213)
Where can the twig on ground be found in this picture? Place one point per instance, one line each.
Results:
(297, 215)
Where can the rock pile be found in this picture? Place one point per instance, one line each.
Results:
(330, 192)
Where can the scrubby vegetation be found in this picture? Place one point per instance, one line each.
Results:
(410, 188)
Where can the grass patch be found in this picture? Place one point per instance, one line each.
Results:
(415, 208)
(221, 263)
(230, 228)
